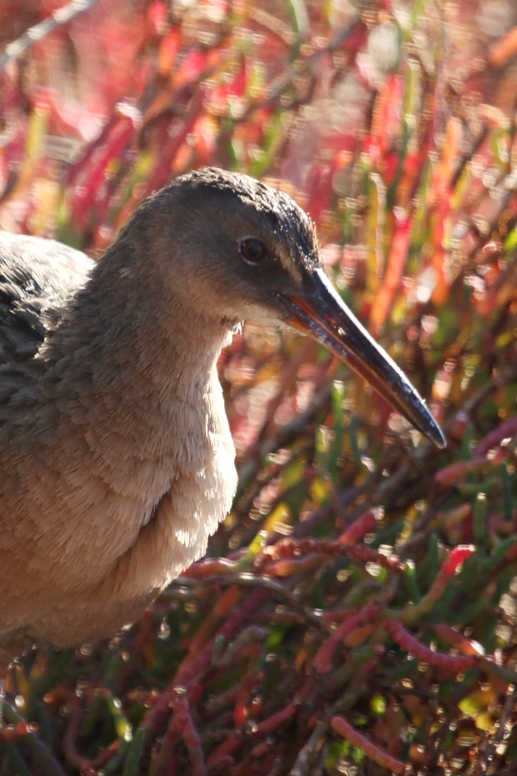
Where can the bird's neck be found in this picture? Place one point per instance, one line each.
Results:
(132, 369)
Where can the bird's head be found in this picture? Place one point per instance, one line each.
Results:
(244, 251)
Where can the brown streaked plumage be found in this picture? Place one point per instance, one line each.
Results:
(116, 461)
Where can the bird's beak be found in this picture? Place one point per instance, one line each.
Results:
(322, 314)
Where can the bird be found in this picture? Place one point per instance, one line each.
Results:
(116, 458)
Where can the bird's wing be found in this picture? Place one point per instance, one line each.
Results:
(37, 276)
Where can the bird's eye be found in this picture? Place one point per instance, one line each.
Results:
(253, 250)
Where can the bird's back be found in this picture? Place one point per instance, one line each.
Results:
(37, 276)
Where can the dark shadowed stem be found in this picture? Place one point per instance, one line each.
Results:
(255, 581)
(35, 745)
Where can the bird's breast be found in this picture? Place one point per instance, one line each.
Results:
(114, 504)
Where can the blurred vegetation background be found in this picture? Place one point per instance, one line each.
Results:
(357, 612)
